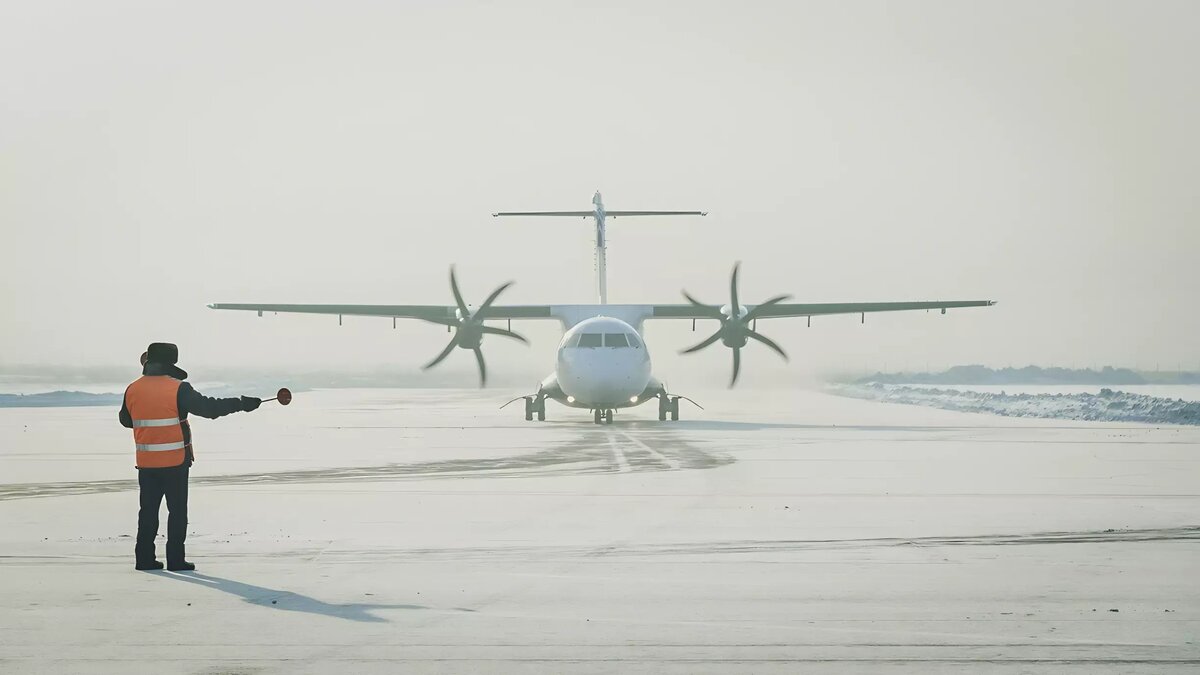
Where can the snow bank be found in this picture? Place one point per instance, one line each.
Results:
(1106, 406)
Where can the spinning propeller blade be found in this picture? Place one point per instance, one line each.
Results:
(735, 328)
(469, 328)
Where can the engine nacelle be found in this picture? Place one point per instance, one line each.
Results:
(742, 311)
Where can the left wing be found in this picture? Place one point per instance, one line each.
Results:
(441, 314)
(780, 310)
(572, 214)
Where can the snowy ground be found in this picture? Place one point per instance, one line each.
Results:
(1100, 405)
(387, 531)
(1187, 392)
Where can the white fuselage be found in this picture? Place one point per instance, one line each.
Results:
(602, 363)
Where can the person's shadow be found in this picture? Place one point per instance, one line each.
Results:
(286, 600)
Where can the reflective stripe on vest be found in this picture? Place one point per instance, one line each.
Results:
(158, 438)
(165, 422)
(159, 447)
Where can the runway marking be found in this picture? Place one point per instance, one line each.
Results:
(671, 462)
(618, 454)
(583, 452)
(762, 547)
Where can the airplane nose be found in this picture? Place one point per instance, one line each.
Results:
(602, 380)
(616, 386)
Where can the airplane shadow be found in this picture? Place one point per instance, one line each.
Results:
(287, 600)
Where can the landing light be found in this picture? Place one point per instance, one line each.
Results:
(633, 399)
(570, 399)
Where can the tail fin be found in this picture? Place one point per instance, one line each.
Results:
(599, 213)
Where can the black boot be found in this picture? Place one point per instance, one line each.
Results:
(175, 558)
(143, 555)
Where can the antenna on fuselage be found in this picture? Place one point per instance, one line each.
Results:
(599, 214)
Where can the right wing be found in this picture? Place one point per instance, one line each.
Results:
(615, 214)
(780, 310)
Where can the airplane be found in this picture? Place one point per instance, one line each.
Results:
(603, 363)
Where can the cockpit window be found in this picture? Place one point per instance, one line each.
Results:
(615, 340)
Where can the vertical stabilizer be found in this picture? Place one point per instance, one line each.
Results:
(601, 250)
(600, 214)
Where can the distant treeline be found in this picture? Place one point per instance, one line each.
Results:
(1034, 375)
(56, 399)
(267, 379)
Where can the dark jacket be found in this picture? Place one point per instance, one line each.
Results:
(189, 401)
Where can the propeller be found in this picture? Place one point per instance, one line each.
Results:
(735, 328)
(469, 328)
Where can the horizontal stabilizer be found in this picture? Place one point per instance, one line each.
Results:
(610, 214)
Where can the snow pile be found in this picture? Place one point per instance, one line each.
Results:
(1106, 406)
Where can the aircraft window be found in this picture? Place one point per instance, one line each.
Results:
(590, 340)
(615, 340)
(574, 341)
(633, 341)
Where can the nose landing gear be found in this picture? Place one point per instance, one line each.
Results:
(668, 405)
(602, 416)
(535, 405)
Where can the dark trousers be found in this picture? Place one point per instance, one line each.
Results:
(155, 484)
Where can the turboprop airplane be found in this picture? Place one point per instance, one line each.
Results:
(603, 363)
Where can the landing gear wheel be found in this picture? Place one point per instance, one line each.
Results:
(608, 415)
(668, 405)
(598, 415)
(535, 405)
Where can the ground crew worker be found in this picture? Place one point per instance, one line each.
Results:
(156, 407)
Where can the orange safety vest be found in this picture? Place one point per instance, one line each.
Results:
(153, 405)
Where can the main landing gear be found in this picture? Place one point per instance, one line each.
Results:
(535, 405)
(668, 405)
(602, 416)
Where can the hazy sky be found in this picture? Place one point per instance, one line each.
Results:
(157, 156)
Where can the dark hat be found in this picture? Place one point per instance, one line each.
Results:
(167, 355)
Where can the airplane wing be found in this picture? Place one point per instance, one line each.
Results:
(573, 214)
(440, 314)
(780, 310)
(615, 214)
(445, 314)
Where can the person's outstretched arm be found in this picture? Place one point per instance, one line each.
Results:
(194, 403)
